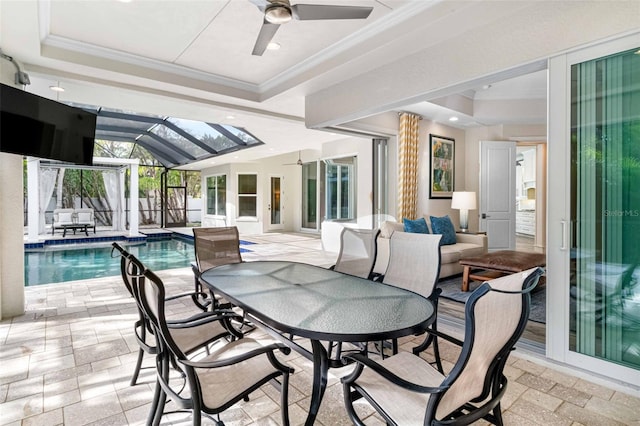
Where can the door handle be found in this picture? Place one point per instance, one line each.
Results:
(484, 216)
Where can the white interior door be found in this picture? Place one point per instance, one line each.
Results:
(498, 193)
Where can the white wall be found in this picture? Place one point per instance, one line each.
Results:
(273, 166)
(521, 34)
(11, 224)
(284, 165)
(472, 140)
(439, 207)
(363, 149)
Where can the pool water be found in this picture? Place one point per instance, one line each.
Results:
(54, 266)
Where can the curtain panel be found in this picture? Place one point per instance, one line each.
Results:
(408, 138)
(47, 182)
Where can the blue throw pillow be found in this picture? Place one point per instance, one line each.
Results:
(418, 226)
(444, 226)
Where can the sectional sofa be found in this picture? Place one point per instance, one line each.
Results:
(466, 245)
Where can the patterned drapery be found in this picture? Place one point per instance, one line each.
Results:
(408, 165)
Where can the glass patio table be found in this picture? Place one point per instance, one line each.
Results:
(297, 299)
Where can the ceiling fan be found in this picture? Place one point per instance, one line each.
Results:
(278, 12)
(297, 163)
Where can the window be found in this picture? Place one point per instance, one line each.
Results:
(217, 195)
(340, 181)
(247, 195)
(309, 195)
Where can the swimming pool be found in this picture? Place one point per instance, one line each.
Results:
(54, 266)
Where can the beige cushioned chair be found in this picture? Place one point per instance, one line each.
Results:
(405, 390)
(216, 381)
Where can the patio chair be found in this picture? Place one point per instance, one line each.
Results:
(405, 390)
(217, 381)
(86, 217)
(212, 327)
(214, 247)
(414, 264)
(358, 250)
(61, 218)
(357, 256)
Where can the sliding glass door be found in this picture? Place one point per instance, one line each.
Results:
(593, 255)
(605, 209)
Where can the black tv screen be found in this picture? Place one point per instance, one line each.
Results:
(39, 127)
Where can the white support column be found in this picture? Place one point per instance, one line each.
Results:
(122, 219)
(11, 236)
(33, 199)
(133, 197)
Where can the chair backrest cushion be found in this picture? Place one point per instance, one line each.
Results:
(63, 216)
(216, 246)
(496, 315)
(84, 215)
(357, 251)
(414, 262)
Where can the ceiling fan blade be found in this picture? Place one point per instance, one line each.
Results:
(267, 32)
(305, 12)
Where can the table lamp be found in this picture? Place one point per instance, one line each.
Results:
(464, 201)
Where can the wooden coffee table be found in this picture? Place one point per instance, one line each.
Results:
(498, 263)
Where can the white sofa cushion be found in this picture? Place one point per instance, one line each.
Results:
(65, 218)
(84, 217)
(466, 245)
(388, 227)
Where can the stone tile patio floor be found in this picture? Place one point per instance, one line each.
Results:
(69, 361)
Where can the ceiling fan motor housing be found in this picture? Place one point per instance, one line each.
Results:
(278, 13)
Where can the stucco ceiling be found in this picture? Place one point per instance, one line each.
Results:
(192, 59)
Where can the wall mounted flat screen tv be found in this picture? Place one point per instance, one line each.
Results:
(39, 127)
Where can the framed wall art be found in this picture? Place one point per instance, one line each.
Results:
(441, 166)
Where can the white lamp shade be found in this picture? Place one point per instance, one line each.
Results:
(463, 200)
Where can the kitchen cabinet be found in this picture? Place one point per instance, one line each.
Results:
(526, 222)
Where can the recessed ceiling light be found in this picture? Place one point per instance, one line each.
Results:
(486, 86)
(57, 88)
(273, 46)
(453, 118)
(230, 117)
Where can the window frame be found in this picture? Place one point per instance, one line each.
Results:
(216, 191)
(246, 196)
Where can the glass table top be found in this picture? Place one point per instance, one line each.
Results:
(314, 302)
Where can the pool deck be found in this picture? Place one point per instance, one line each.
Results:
(102, 235)
(68, 361)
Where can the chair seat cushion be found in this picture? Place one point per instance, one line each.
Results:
(221, 385)
(404, 406)
(191, 338)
